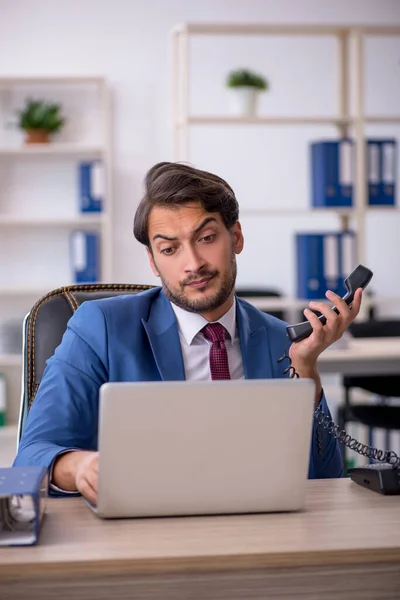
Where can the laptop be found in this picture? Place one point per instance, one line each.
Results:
(197, 448)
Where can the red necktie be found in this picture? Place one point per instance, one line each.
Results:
(219, 366)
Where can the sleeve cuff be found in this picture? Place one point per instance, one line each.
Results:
(52, 486)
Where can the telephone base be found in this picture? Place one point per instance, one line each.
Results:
(379, 477)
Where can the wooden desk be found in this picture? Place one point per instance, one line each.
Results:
(345, 544)
(364, 356)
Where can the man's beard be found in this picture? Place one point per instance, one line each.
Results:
(206, 304)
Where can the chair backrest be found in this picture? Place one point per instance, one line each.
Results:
(260, 293)
(45, 325)
(376, 328)
(382, 385)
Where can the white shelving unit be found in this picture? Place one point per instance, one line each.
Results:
(10, 360)
(350, 63)
(69, 149)
(87, 136)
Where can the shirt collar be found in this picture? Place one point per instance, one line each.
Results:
(189, 324)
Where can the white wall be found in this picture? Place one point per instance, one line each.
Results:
(128, 42)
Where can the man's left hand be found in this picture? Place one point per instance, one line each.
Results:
(304, 354)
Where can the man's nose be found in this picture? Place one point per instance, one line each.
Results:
(193, 260)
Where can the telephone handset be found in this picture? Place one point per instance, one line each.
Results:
(383, 478)
(359, 278)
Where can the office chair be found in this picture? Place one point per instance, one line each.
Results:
(45, 325)
(380, 415)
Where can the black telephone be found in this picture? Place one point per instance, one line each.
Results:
(383, 478)
(358, 278)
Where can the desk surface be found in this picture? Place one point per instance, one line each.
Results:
(363, 356)
(342, 523)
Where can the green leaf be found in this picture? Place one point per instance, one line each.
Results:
(38, 114)
(246, 78)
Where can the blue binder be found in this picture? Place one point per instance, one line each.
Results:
(332, 173)
(388, 172)
(85, 256)
(347, 257)
(382, 171)
(324, 259)
(317, 264)
(91, 186)
(22, 504)
(373, 172)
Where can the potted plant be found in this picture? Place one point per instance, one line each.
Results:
(39, 120)
(244, 86)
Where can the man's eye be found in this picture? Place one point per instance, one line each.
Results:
(208, 238)
(168, 251)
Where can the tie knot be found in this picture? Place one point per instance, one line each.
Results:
(214, 332)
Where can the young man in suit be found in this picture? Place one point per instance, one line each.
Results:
(192, 327)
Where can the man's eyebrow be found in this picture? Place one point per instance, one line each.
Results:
(205, 222)
(164, 237)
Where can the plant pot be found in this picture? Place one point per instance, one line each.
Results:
(243, 101)
(36, 136)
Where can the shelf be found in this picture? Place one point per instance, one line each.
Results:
(268, 303)
(287, 303)
(282, 120)
(33, 293)
(62, 222)
(271, 120)
(384, 208)
(388, 120)
(53, 149)
(10, 360)
(280, 29)
(341, 212)
(49, 80)
(345, 212)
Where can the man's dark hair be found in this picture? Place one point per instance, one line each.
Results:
(172, 185)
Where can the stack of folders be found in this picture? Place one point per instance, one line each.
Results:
(85, 256)
(333, 172)
(91, 186)
(324, 259)
(23, 492)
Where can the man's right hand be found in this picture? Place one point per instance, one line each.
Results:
(78, 471)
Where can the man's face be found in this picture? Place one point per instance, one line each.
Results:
(195, 257)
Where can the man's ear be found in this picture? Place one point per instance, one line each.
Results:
(237, 236)
(152, 263)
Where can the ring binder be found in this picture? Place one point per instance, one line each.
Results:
(23, 492)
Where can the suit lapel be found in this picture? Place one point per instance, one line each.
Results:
(162, 330)
(254, 344)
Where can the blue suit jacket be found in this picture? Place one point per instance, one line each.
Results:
(135, 338)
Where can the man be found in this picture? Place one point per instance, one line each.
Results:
(188, 221)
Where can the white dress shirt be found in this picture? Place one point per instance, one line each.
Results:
(196, 349)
